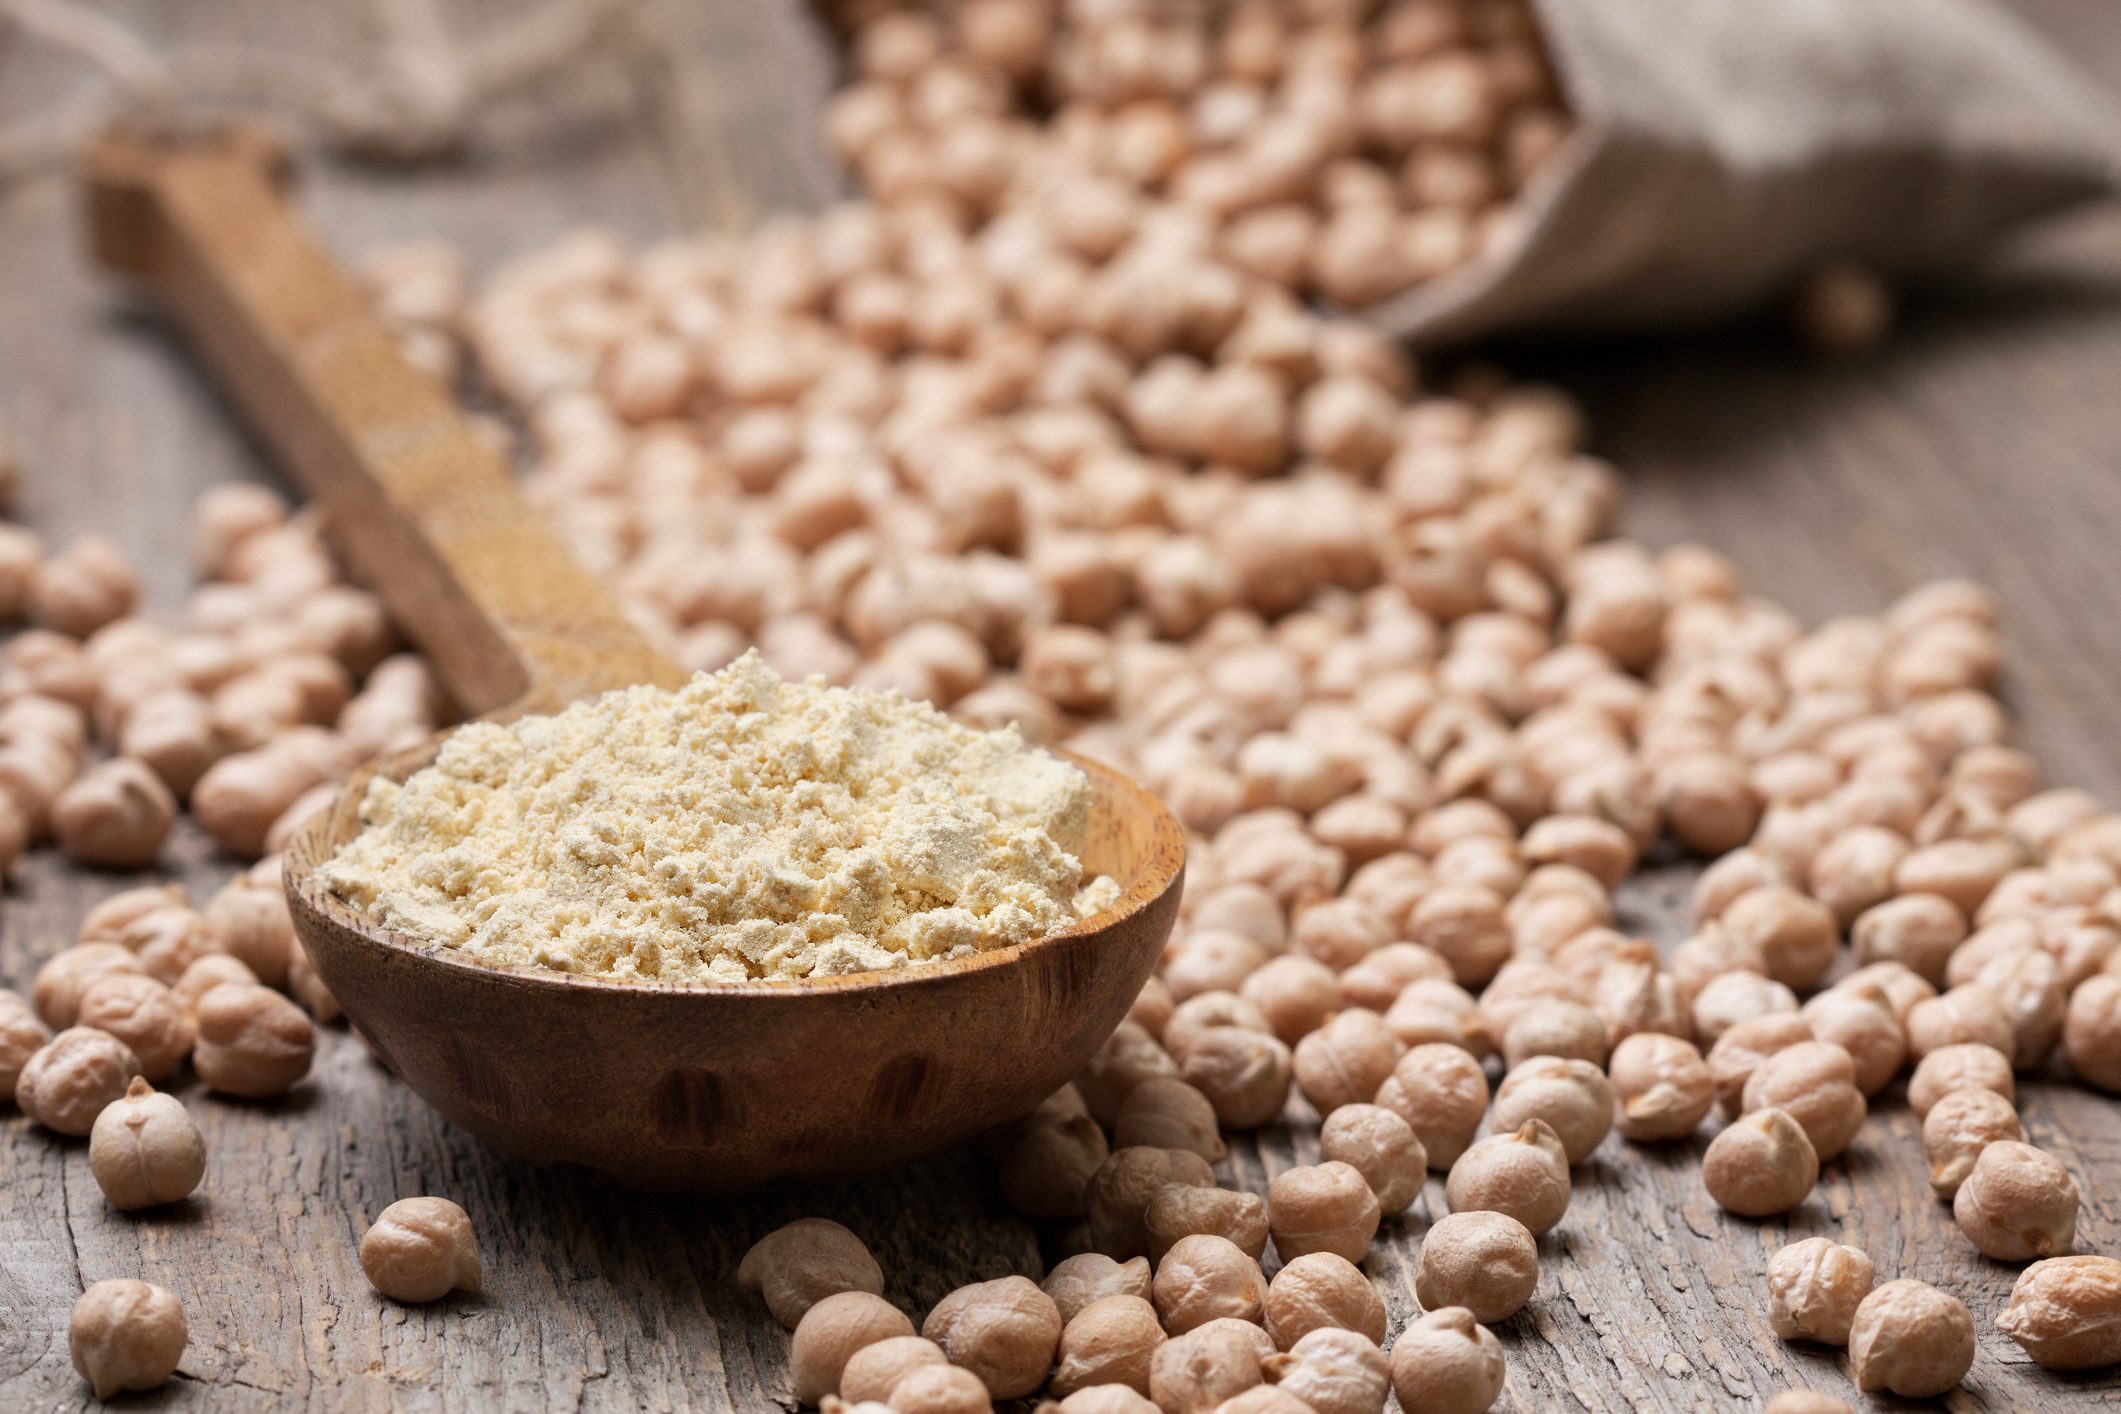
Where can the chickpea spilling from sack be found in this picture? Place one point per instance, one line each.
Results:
(1045, 431)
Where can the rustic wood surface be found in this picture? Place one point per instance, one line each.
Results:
(1985, 440)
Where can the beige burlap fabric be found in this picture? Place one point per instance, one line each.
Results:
(1730, 145)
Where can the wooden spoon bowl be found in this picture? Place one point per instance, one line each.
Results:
(722, 1087)
(699, 1087)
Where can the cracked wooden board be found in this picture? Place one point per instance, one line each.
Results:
(1983, 442)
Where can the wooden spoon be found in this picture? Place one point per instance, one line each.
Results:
(702, 1088)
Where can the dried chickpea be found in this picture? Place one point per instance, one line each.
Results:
(144, 1150)
(1166, 1114)
(1739, 1051)
(799, 1264)
(2017, 1203)
(1330, 1371)
(1338, 933)
(1294, 993)
(1486, 1262)
(68, 974)
(830, 1333)
(115, 815)
(2028, 986)
(1917, 930)
(1077, 1281)
(145, 1015)
(421, 1249)
(1447, 1362)
(1808, 1401)
(1963, 1015)
(2065, 1312)
(1435, 1010)
(2091, 1032)
(1555, 1029)
(1796, 935)
(1111, 1341)
(1959, 1125)
(1524, 1173)
(252, 1042)
(1968, 1065)
(1207, 961)
(67, 1082)
(82, 588)
(1204, 1278)
(1184, 1210)
(1377, 980)
(1345, 1061)
(1324, 1208)
(1572, 1097)
(249, 919)
(1814, 1287)
(1734, 997)
(1761, 1165)
(1192, 1018)
(1814, 1083)
(1197, 1371)
(1902, 987)
(126, 1335)
(1662, 1088)
(1245, 1074)
(1129, 1056)
(22, 1035)
(1046, 1158)
(1382, 1147)
(873, 1371)
(1442, 1094)
(1858, 1017)
(1004, 1331)
(1853, 872)
(1911, 1339)
(1321, 1291)
(1464, 925)
(1119, 1192)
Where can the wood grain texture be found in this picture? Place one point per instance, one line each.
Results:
(1984, 440)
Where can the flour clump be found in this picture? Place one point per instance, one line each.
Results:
(741, 828)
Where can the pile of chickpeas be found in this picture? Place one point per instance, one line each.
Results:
(1045, 430)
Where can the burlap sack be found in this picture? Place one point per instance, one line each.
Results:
(1728, 146)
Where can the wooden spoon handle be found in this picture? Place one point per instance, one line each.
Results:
(423, 510)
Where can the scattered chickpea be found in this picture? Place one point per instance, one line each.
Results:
(1761, 1165)
(1345, 1061)
(1960, 1016)
(829, 1334)
(1814, 1083)
(873, 1371)
(1113, 1341)
(1119, 1192)
(2065, 1312)
(1661, 1087)
(22, 1035)
(1166, 1114)
(1484, 1261)
(1734, 997)
(2091, 1031)
(1558, 1029)
(250, 920)
(2017, 1203)
(1796, 935)
(1572, 1097)
(68, 974)
(67, 1082)
(115, 815)
(1814, 1287)
(1322, 1291)
(1448, 1362)
(1524, 1173)
(1911, 1339)
(1200, 1369)
(1918, 930)
(126, 1335)
(1204, 1278)
(145, 1015)
(1966, 1065)
(252, 1042)
(1295, 993)
(1332, 1371)
(799, 1264)
(1959, 1125)
(83, 587)
(1184, 1210)
(1077, 1281)
(144, 1150)
(209, 972)
(1442, 1094)
(421, 1249)
(1378, 1144)
(1244, 1073)
(1859, 1018)
(1326, 1208)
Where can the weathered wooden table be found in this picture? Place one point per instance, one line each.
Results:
(1986, 440)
